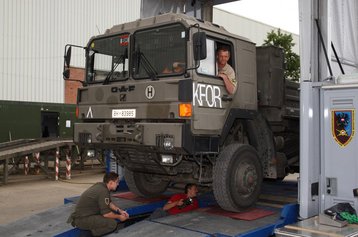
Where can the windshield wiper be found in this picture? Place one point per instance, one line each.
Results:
(109, 75)
(148, 67)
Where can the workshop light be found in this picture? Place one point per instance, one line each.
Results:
(167, 159)
(168, 143)
(185, 110)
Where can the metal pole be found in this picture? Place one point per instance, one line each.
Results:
(336, 55)
(26, 165)
(68, 166)
(324, 48)
(6, 170)
(37, 159)
(57, 164)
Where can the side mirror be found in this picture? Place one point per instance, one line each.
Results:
(68, 56)
(66, 73)
(199, 45)
(66, 64)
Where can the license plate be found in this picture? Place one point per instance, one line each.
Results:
(123, 113)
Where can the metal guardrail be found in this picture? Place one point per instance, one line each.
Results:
(5, 145)
(28, 147)
(28, 150)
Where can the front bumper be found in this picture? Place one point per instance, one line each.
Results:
(145, 136)
(141, 146)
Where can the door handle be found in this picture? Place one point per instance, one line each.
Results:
(226, 98)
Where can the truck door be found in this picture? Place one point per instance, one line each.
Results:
(210, 97)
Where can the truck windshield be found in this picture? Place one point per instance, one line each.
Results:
(159, 52)
(107, 59)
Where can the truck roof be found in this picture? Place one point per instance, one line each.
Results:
(170, 18)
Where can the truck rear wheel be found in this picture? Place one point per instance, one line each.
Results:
(237, 177)
(144, 185)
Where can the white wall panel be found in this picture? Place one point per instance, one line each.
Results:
(345, 34)
(253, 30)
(33, 34)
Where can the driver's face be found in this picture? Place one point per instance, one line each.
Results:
(223, 57)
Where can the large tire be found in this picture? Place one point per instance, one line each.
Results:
(144, 185)
(237, 177)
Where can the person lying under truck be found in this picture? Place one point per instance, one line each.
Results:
(179, 203)
(95, 211)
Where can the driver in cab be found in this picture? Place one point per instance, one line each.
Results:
(225, 71)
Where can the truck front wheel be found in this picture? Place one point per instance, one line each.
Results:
(237, 177)
(144, 185)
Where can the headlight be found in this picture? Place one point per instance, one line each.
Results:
(167, 159)
(91, 153)
(168, 143)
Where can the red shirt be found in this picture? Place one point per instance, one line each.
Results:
(176, 210)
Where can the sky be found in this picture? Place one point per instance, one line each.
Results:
(279, 13)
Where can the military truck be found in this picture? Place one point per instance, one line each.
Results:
(166, 125)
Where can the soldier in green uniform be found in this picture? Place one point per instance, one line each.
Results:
(95, 210)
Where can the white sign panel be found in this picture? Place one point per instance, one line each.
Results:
(123, 113)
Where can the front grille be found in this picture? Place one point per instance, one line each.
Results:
(83, 137)
(123, 133)
(125, 128)
(159, 139)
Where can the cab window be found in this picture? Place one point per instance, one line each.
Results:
(209, 66)
(159, 52)
(107, 58)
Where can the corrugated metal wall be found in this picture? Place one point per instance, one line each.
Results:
(33, 34)
(253, 30)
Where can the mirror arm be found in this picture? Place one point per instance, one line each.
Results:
(67, 60)
(195, 67)
(67, 56)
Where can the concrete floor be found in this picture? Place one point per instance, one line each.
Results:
(28, 195)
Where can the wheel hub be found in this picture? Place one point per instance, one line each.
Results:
(246, 178)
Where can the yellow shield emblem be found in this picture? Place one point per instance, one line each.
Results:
(343, 126)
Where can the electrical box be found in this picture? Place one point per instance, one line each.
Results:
(339, 157)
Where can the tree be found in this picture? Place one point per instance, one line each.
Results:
(292, 60)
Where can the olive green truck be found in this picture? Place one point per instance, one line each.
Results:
(166, 125)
